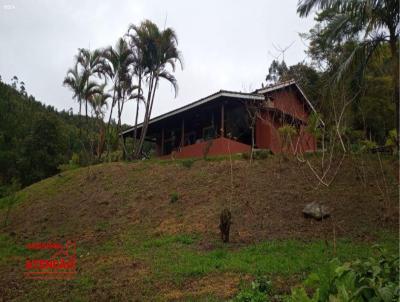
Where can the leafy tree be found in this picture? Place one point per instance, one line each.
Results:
(14, 82)
(43, 149)
(19, 117)
(276, 71)
(371, 24)
(305, 75)
(22, 89)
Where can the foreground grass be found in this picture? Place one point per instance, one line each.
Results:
(179, 256)
(174, 260)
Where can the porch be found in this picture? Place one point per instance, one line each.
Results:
(214, 128)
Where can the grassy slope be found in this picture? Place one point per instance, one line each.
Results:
(134, 244)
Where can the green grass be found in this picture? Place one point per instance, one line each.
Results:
(8, 248)
(178, 257)
(12, 200)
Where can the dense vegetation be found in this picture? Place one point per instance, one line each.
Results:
(351, 75)
(36, 139)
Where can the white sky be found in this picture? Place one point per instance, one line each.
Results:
(226, 44)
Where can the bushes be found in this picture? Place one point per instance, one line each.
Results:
(258, 154)
(392, 140)
(372, 279)
(259, 291)
(375, 279)
(113, 156)
(187, 163)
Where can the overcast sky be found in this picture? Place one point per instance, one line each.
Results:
(225, 44)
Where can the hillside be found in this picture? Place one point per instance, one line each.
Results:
(135, 244)
(36, 139)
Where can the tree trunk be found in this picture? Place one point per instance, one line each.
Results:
(80, 118)
(137, 114)
(120, 110)
(146, 118)
(154, 89)
(395, 78)
(86, 117)
(109, 122)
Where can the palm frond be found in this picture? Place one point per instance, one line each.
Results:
(171, 79)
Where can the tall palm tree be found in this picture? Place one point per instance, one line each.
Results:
(98, 101)
(117, 65)
(375, 21)
(160, 53)
(92, 63)
(76, 81)
(99, 104)
(136, 44)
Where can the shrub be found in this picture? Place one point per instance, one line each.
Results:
(74, 159)
(391, 140)
(257, 292)
(174, 196)
(257, 154)
(187, 163)
(363, 146)
(376, 279)
(262, 154)
(114, 156)
(67, 167)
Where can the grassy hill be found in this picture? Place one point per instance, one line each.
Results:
(135, 244)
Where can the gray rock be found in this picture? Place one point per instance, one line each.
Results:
(316, 210)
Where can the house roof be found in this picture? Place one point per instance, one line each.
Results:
(284, 85)
(256, 95)
(221, 93)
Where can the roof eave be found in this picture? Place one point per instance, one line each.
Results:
(221, 93)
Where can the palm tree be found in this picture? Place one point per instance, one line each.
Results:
(136, 44)
(377, 22)
(117, 65)
(76, 81)
(99, 104)
(160, 52)
(92, 63)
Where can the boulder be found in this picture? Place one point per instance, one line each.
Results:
(316, 210)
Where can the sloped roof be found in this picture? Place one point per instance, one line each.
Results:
(256, 95)
(221, 93)
(284, 85)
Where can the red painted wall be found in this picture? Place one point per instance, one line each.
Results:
(267, 137)
(218, 146)
(267, 134)
(288, 102)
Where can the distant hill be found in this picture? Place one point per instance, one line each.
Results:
(34, 138)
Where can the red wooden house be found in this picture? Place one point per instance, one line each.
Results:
(221, 124)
